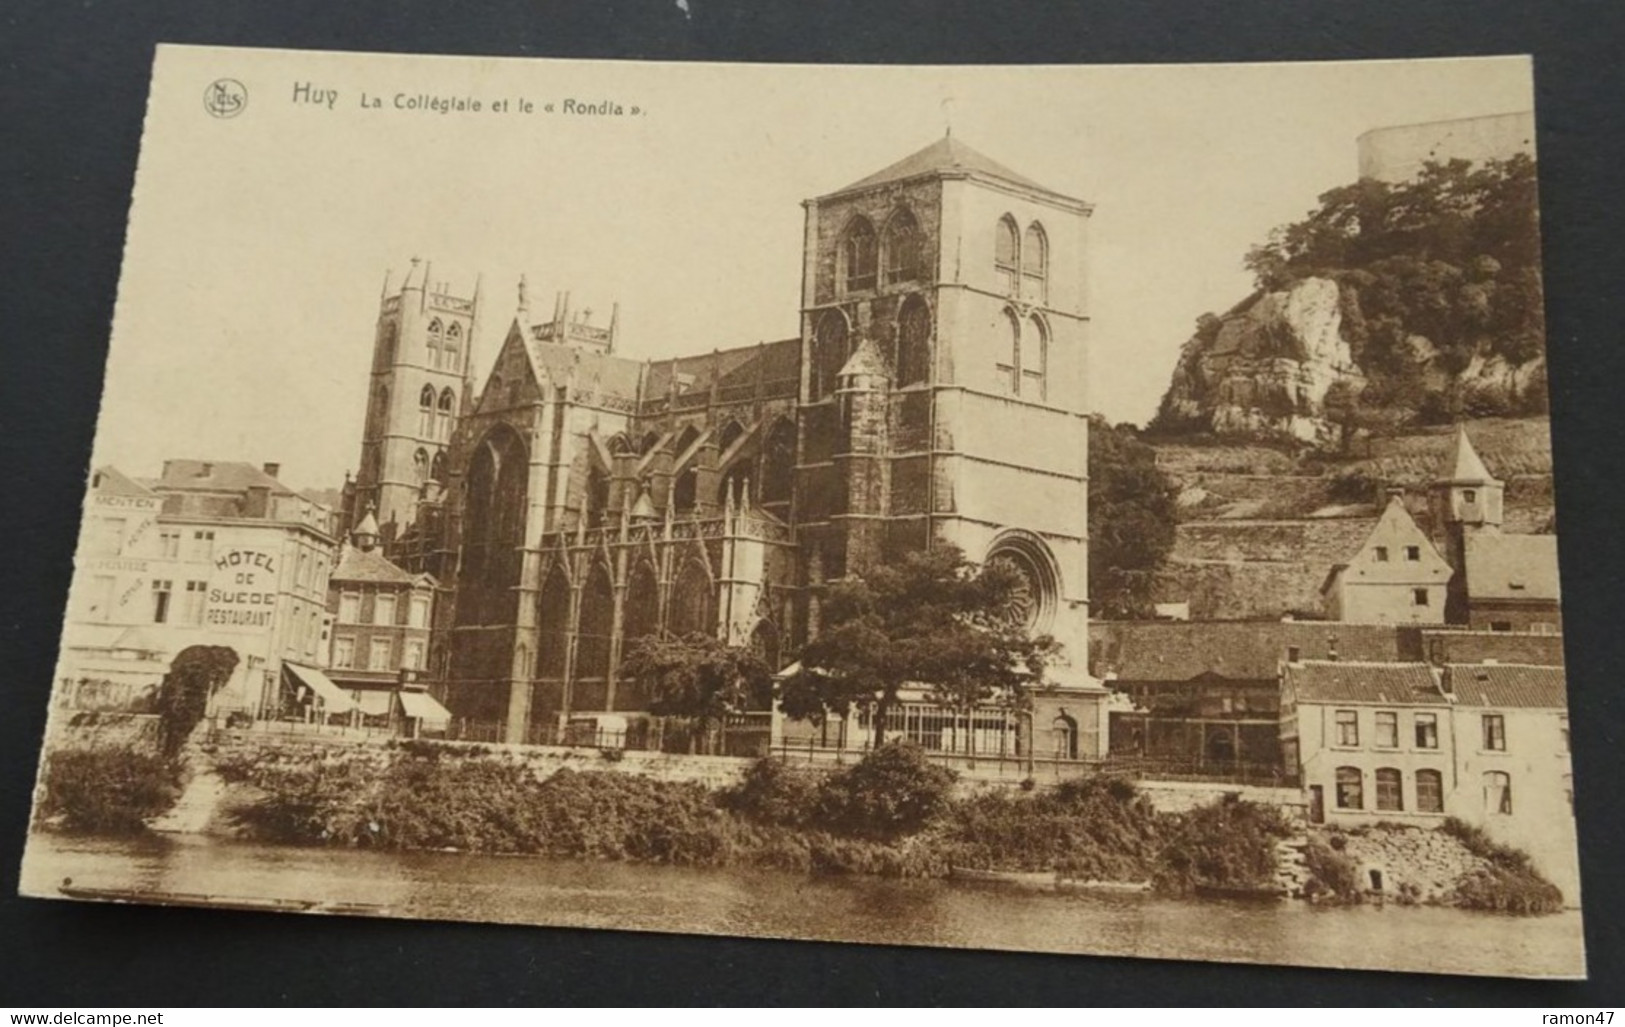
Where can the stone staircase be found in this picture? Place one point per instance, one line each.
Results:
(193, 810)
(1291, 866)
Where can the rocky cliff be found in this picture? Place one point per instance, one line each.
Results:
(1264, 368)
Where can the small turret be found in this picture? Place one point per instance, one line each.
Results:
(365, 535)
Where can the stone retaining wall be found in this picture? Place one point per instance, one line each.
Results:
(544, 760)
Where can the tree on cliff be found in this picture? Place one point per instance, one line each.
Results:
(195, 674)
(1445, 266)
(928, 619)
(698, 677)
(1131, 521)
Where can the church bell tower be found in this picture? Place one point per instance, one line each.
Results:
(422, 353)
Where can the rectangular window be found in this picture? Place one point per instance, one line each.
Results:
(99, 599)
(104, 536)
(1495, 732)
(378, 658)
(1348, 728)
(349, 608)
(1500, 625)
(160, 600)
(1387, 729)
(192, 609)
(1419, 596)
(1350, 793)
(169, 544)
(1413, 553)
(414, 656)
(344, 651)
(1390, 789)
(1468, 495)
(1429, 791)
(1427, 731)
(1382, 554)
(419, 615)
(383, 610)
(202, 545)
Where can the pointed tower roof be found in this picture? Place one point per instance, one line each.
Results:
(865, 359)
(368, 525)
(1467, 468)
(946, 156)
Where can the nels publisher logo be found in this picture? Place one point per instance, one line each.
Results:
(225, 98)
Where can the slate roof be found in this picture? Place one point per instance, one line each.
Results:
(217, 476)
(945, 155)
(110, 481)
(1237, 650)
(773, 362)
(1509, 685)
(1512, 567)
(1391, 684)
(1467, 468)
(368, 566)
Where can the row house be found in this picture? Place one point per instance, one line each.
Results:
(1486, 743)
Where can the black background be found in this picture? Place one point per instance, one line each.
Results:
(73, 90)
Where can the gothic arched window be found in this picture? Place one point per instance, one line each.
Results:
(597, 619)
(904, 249)
(437, 467)
(436, 330)
(493, 529)
(1035, 265)
(1034, 358)
(493, 391)
(426, 412)
(641, 616)
(779, 462)
(913, 343)
(829, 354)
(1007, 254)
(858, 254)
(420, 466)
(454, 347)
(693, 602)
(448, 408)
(553, 624)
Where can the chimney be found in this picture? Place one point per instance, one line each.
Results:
(272, 469)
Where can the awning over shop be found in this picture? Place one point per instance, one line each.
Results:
(374, 702)
(334, 699)
(422, 706)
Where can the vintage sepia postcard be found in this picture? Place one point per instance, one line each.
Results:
(1098, 510)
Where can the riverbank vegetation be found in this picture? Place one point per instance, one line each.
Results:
(1509, 884)
(891, 814)
(107, 790)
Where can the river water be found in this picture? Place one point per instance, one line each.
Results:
(779, 905)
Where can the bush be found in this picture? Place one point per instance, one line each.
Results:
(1226, 844)
(1332, 874)
(894, 790)
(112, 790)
(1510, 884)
(1096, 828)
(773, 793)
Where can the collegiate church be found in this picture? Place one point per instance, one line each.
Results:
(578, 500)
